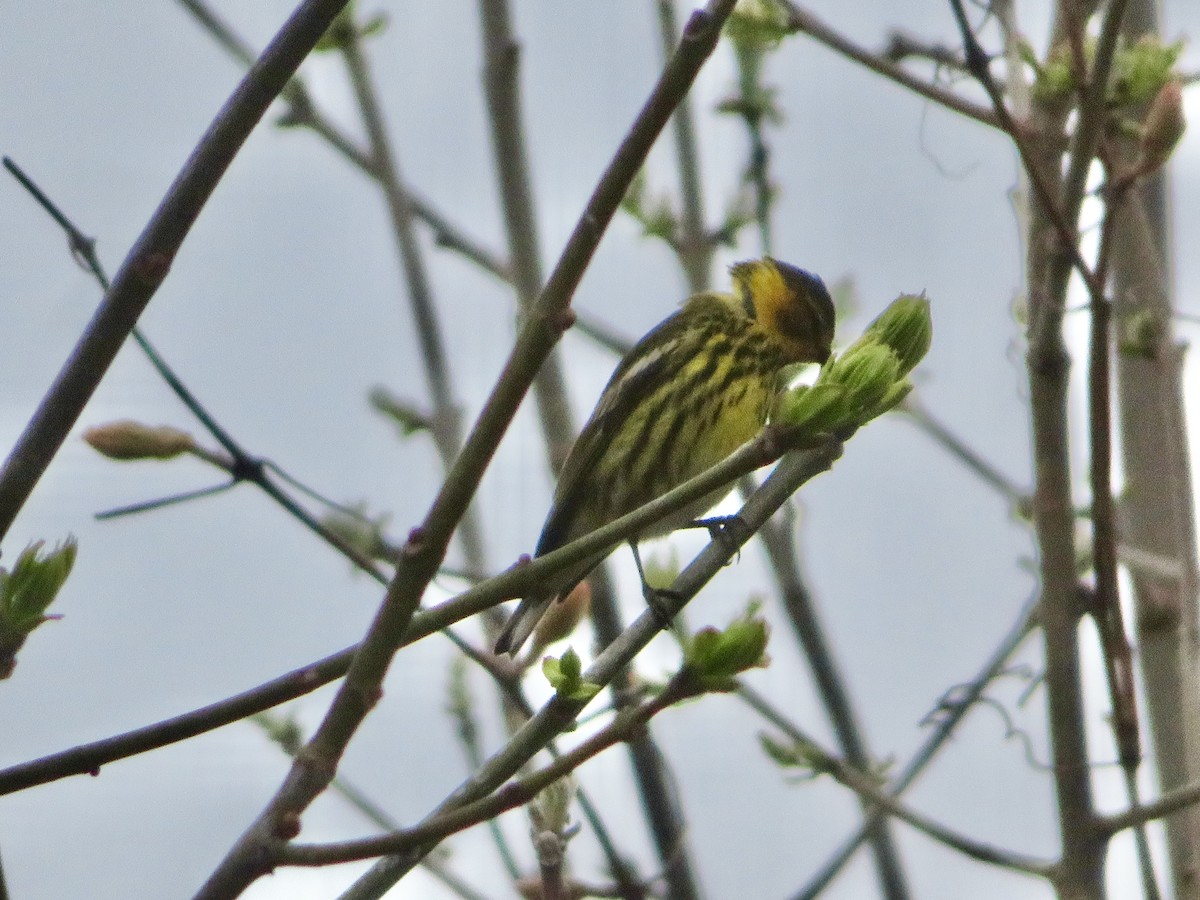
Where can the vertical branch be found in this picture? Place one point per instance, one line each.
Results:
(694, 250)
(317, 763)
(695, 247)
(502, 86)
(303, 112)
(1157, 510)
(506, 118)
(1051, 256)
(964, 701)
(446, 426)
(1050, 266)
(831, 686)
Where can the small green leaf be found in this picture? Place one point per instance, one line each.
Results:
(717, 657)
(27, 592)
(1056, 77)
(798, 755)
(1141, 334)
(564, 676)
(1140, 71)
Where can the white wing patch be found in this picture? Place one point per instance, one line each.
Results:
(631, 375)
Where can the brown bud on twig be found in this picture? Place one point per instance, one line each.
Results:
(128, 440)
(1163, 128)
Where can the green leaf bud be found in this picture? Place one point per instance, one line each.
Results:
(1140, 71)
(1056, 76)
(716, 657)
(757, 26)
(867, 371)
(564, 675)
(26, 593)
(907, 327)
(1140, 335)
(824, 406)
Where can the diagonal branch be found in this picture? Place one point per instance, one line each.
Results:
(501, 81)
(426, 545)
(302, 111)
(88, 758)
(149, 260)
(869, 790)
(800, 19)
(560, 712)
(942, 732)
(446, 427)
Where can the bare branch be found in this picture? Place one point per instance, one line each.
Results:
(304, 112)
(149, 260)
(800, 19)
(1170, 802)
(427, 543)
(793, 471)
(869, 789)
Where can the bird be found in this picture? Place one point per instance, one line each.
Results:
(695, 388)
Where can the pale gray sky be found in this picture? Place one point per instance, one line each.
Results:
(284, 307)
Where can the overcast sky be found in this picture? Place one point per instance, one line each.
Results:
(285, 306)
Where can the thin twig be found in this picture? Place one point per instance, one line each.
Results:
(1062, 213)
(149, 260)
(502, 88)
(426, 545)
(304, 112)
(694, 245)
(1118, 657)
(941, 733)
(798, 603)
(1171, 802)
(1050, 267)
(461, 709)
(516, 581)
(866, 786)
(241, 464)
(902, 45)
(87, 759)
(372, 811)
(800, 19)
(794, 470)
(964, 453)
(447, 418)
(625, 725)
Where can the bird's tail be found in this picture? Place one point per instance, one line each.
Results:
(521, 623)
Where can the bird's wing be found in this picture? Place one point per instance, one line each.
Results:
(639, 374)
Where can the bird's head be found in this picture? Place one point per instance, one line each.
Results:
(791, 303)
